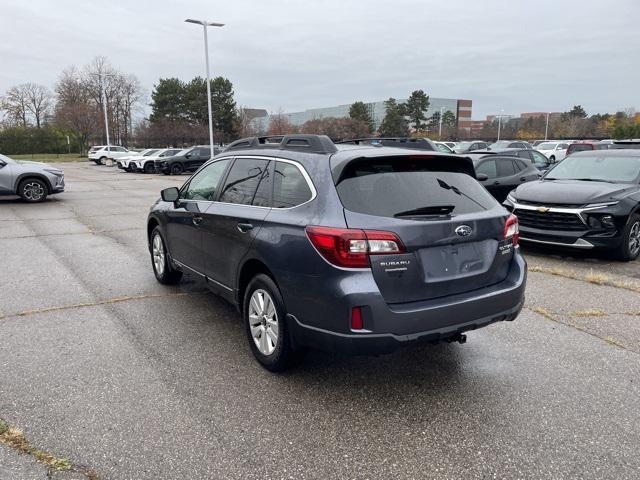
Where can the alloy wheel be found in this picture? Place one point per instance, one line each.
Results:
(158, 254)
(263, 321)
(634, 239)
(33, 191)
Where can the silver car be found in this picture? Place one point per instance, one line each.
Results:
(33, 181)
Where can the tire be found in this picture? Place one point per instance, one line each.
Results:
(629, 249)
(33, 190)
(176, 169)
(102, 160)
(162, 269)
(260, 318)
(149, 167)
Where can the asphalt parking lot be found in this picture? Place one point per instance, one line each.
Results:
(129, 379)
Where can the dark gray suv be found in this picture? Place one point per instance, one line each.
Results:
(354, 248)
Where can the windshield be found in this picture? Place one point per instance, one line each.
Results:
(597, 168)
(547, 146)
(500, 144)
(150, 152)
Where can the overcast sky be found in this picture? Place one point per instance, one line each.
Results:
(516, 55)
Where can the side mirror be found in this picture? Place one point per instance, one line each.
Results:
(188, 155)
(2, 163)
(481, 177)
(171, 194)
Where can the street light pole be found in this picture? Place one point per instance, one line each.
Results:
(103, 95)
(206, 24)
(440, 127)
(499, 124)
(546, 128)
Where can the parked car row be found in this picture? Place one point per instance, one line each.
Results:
(170, 161)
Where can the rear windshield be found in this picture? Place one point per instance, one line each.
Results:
(388, 187)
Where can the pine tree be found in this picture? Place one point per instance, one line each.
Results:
(394, 123)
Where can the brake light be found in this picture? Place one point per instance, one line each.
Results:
(347, 247)
(512, 230)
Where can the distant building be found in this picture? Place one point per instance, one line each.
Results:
(552, 115)
(460, 108)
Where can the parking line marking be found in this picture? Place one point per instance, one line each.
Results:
(109, 301)
(553, 317)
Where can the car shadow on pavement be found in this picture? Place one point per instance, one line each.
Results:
(568, 254)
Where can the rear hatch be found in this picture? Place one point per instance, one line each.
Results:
(452, 229)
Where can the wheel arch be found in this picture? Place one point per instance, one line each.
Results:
(249, 269)
(152, 223)
(25, 176)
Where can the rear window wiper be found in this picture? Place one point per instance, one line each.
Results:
(435, 211)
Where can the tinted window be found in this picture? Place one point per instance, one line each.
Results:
(524, 154)
(290, 187)
(505, 167)
(539, 159)
(204, 185)
(580, 148)
(385, 187)
(520, 165)
(242, 182)
(488, 167)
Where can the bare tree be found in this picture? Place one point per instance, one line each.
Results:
(279, 124)
(15, 103)
(122, 94)
(39, 101)
(76, 108)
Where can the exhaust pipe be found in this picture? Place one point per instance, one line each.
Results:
(461, 338)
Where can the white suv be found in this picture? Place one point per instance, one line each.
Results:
(101, 154)
(125, 163)
(146, 163)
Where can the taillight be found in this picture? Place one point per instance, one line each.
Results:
(512, 230)
(346, 247)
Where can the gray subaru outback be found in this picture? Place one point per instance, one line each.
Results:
(33, 181)
(360, 249)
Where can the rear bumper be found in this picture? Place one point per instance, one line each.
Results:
(389, 327)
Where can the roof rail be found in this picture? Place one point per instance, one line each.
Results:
(406, 142)
(298, 142)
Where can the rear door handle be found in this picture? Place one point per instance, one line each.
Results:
(245, 227)
(496, 183)
(197, 221)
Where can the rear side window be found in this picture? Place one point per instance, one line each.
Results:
(290, 187)
(389, 186)
(505, 167)
(488, 167)
(243, 180)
